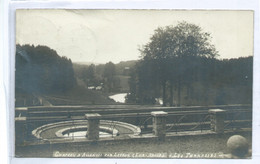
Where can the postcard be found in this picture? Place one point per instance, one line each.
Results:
(110, 83)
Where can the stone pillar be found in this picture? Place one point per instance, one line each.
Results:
(217, 118)
(159, 124)
(20, 130)
(93, 126)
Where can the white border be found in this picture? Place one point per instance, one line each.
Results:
(9, 51)
(4, 149)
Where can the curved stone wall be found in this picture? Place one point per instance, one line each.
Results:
(115, 128)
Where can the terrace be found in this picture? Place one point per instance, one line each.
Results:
(129, 124)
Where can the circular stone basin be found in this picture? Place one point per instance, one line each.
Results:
(81, 132)
(77, 129)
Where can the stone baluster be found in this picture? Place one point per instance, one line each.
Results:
(217, 118)
(20, 130)
(159, 124)
(93, 126)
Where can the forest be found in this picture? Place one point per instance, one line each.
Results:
(179, 66)
(206, 81)
(41, 70)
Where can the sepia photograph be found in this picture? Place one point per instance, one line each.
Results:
(111, 83)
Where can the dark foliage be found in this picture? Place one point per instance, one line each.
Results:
(40, 70)
(113, 78)
(207, 82)
(178, 65)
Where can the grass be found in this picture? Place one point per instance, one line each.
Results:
(80, 96)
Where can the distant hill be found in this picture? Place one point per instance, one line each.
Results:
(121, 73)
(129, 63)
(86, 63)
(124, 67)
(123, 64)
(121, 68)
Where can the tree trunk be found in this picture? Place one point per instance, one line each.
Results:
(164, 93)
(189, 97)
(179, 92)
(171, 94)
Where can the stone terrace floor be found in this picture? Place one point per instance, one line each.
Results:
(196, 145)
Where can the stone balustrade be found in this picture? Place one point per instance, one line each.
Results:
(217, 118)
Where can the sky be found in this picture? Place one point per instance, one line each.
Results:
(100, 36)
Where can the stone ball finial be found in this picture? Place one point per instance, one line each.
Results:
(238, 146)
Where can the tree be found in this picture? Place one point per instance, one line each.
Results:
(89, 75)
(109, 76)
(40, 69)
(173, 51)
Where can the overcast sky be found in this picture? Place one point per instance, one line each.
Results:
(101, 36)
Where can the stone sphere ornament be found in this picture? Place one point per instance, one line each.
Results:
(238, 146)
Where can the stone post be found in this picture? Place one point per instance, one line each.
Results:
(159, 124)
(217, 118)
(20, 130)
(93, 126)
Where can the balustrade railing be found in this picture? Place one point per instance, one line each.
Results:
(175, 122)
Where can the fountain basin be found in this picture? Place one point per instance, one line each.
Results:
(77, 129)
